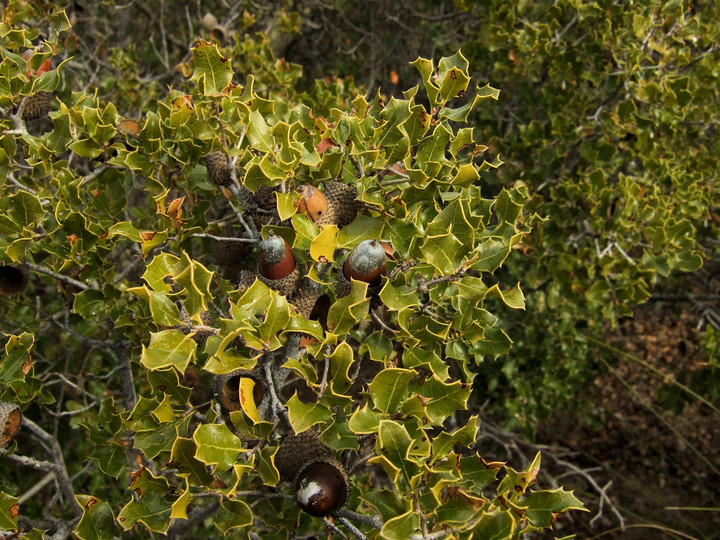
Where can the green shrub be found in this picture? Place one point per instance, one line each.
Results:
(141, 236)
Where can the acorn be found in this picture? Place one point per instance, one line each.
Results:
(209, 21)
(13, 279)
(226, 389)
(368, 263)
(322, 488)
(36, 106)
(314, 204)
(320, 482)
(277, 267)
(10, 420)
(218, 167)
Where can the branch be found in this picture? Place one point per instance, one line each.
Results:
(64, 481)
(370, 521)
(60, 277)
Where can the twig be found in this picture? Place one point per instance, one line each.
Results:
(223, 238)
(64, 481)
(97, 173)
(353, 529)
(421, 514)
(30, 462)
(384, 326)
(60, 277)
(333, 527)
(370, 521)
(326, 371)
(276, 405)
(126, 378)
(49, 477)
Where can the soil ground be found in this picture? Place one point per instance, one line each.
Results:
(660, 463)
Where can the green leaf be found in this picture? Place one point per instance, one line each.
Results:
(232, 514)
(389, 389)
(212, 71)
(97, 522)
(401, 527)
(24, 209)
(542, 505)
(443, 399)
(217, 445)
(9, 511)
(347, 311)
(305, 415)
(152, 510)
(183, 458)
(168, 348)
(196, 279)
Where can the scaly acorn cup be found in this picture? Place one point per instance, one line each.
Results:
(218, 168)
(320, 481)
(277, 267)
(368, 263)
(313, 304)
(10, 422)
(226, 389)
(227, 253)
(13, 279)
(342, 200)
(36, 106)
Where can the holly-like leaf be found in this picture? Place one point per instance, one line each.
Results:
(152, 510)
(232, 514)
(212, 71)
(9, 511)
(97, 522)
(217, 445)
(168, 348)
(389, 389)
(542, 506)
(305, 415)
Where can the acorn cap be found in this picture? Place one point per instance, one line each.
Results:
(342, 198)
(296, 451)
(218, 167)
(226, 389)
(322, 487)
(228, 253)
(367, 262)
(10, 421)
(36, 106)
(13, 279)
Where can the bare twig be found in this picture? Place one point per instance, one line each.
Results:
(60, 277)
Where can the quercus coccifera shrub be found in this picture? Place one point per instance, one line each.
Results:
(251, 309)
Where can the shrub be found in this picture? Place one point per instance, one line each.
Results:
(172, 356)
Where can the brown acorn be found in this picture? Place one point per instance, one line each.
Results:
(320, 482)
(218, 167)
(368, 263)
(226, 389)
(322, 488)
(36, 106)
(13, 279)
(10, 421)
(313, 203)
(277, 267)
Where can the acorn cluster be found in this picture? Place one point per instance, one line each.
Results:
(320, 482)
